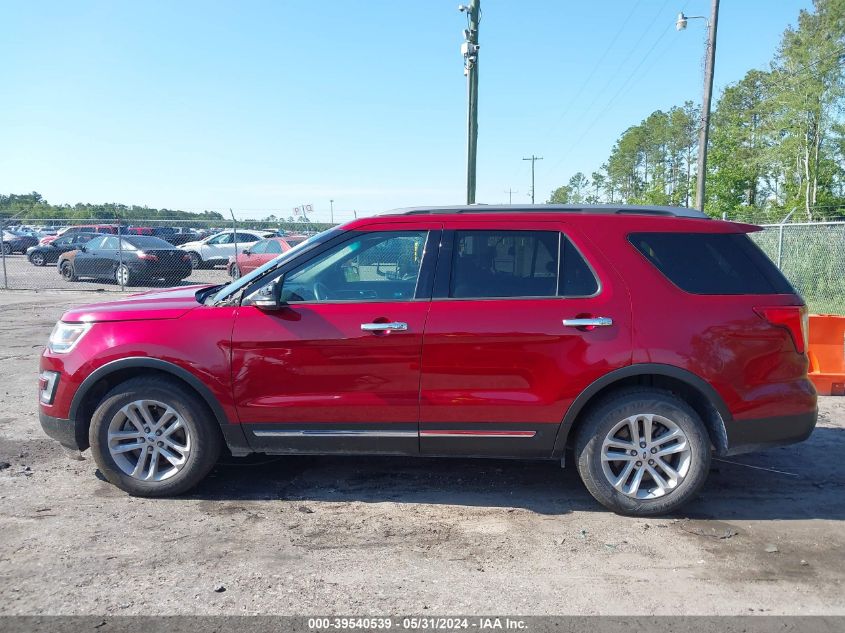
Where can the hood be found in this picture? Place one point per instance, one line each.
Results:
(146, 306)
(194, 244)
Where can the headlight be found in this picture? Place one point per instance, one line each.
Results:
(65, 336)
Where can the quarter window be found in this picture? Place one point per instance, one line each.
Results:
(378, 266)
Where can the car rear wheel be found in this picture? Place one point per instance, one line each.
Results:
(151, 437)
(643, 452)
(37, 259)
(196, 260)
(122, 275)
(67, 271)
(236, 271)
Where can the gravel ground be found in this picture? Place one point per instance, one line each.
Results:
(318, 535)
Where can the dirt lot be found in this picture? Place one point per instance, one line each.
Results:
(305, 535)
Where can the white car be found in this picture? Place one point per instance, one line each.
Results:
(216, 249)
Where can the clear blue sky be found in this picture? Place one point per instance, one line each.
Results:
(262, 105)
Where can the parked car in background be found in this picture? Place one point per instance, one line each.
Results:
(175, 235)
(217, 249)
(82, 228)
(260, 253)
(131, 259)
(43, 254)
(633, 342)
(17, 242)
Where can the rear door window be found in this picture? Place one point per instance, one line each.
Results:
(514, 264)
(712, 263)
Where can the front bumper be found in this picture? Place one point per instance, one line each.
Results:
(745, 436)
(63, 431)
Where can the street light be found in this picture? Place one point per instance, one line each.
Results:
(709, 63)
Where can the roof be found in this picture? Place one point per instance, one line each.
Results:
(598, 209)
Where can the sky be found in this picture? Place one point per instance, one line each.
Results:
(261, 106)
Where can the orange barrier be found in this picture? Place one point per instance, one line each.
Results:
(827, 353)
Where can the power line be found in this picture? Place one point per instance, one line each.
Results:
(592, 72)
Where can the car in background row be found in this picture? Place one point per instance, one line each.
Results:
(81, 228)
(127, 260)
(260, 253)
(43, 254)
(17, 242)
(217, 249)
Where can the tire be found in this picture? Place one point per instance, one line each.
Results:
(122, 275)
(196, 260)
(7, 248)
(38, 258)
(236, 272)
(198, 440)
(68, 273)
(607, 431)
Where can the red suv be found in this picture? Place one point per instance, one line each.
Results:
(638, 340)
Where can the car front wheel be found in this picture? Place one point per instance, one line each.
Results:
(7, 248)
(37, 259)
(151, 437)
(196, 260)
(643, 452)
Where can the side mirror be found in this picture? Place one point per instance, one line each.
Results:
(269, 298)
(83, 249)
(245, 251)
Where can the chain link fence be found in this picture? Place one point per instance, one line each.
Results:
(105, 254)
(812, 257)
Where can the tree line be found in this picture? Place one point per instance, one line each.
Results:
(33, 207)
(777, 138)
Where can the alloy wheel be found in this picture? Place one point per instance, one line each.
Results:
(645, 456)
(149, 440)
(236, 272)
(37, 258)
(121, 275)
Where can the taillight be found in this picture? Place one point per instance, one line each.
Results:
(149, 257)
(795, 319)
(186, 258)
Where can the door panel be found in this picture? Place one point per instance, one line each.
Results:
(498, 374)
(313, 365)
(329, 375)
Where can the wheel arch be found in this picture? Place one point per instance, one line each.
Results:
(100, 381)
(696, 391)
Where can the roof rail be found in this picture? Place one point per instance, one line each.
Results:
(599, 209)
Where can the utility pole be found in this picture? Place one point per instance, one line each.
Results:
(533, 160)
(510, 193)
(331, 211)
(469, 50)
(709, 64)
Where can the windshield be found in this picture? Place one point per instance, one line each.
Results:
(234, 287)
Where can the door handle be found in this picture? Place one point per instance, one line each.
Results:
(392, 326)
(594, 322)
